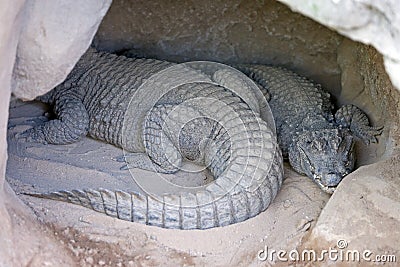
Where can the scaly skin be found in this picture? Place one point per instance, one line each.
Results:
(94, 98)
(317, 143)
(199, 121)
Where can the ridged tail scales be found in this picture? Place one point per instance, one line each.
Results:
(208, 208)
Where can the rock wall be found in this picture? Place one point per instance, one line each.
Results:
(37, 42)
(262, 31)
(9, 15)
(47, 51)
(368, 21)
(366, 84)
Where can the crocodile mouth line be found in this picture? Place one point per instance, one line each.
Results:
(328, 189)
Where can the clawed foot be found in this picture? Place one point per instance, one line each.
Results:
(368, 134)
(121, 159)
(127, 165)
(136, 160)
(353, 118)
(32, 135)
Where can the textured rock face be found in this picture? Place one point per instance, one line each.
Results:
(8, 38)
(366, 84)
(47, 49)
(368, 21)
(55, 35)
(226, 31)
(364, 212)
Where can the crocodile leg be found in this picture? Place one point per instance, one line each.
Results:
(167, 160)
(350, 116)
(70, 126)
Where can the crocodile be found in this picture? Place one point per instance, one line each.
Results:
(168, 113)
(317, 141)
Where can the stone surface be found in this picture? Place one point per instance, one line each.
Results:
(366, 84)
(53, 38)
(364, 212)
(368, 21)
(9, 15)
(30, 243)
(226, 31)
(24, 241)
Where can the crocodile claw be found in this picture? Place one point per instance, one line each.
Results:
(120, 158)
(32, 135)
(369, 134)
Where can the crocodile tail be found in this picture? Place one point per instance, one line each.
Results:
(135, 207)
(243, 190)
(118, 204)
(204, 209)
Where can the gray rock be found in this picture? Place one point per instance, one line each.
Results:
(49, 47)
(364, 212)
(368, 21)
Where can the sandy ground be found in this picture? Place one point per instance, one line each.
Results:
(96, 239)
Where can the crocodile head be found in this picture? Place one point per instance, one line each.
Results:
(326, 156)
